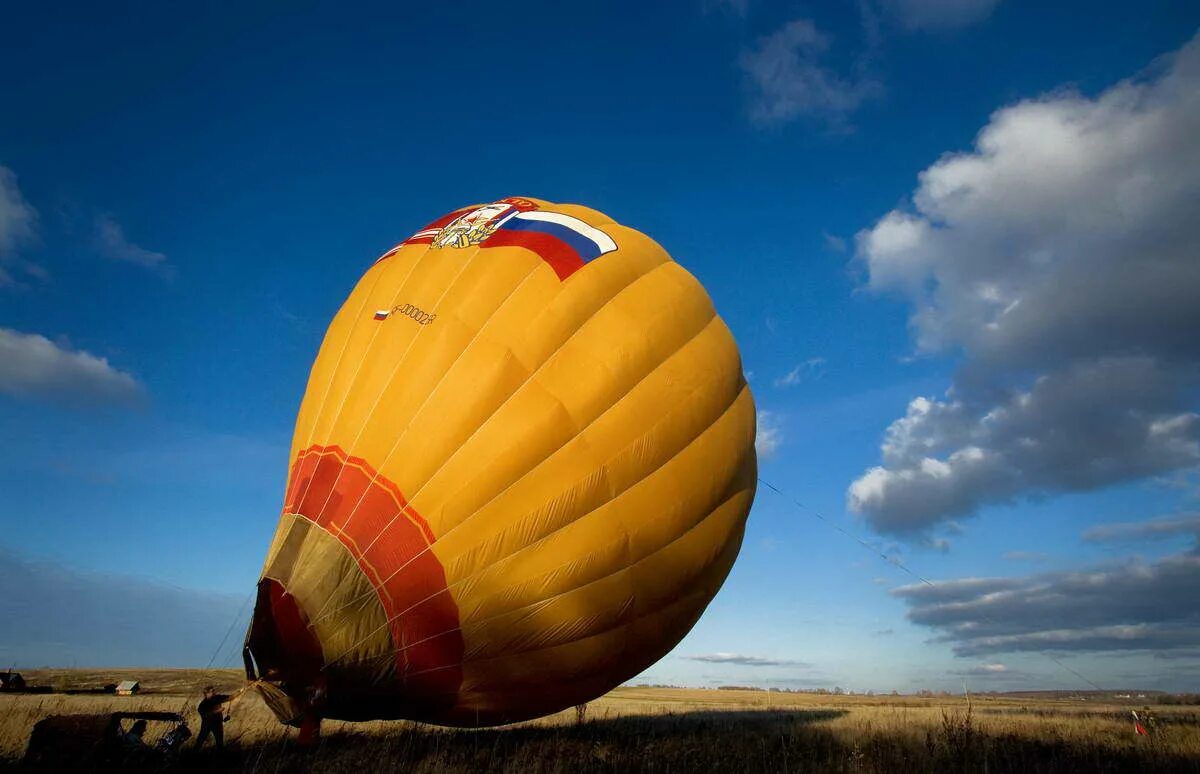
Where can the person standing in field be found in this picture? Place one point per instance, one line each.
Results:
(214, 712)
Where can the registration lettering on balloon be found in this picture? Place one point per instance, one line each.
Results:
(418, 315)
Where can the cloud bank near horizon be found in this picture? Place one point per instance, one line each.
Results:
(59, 617)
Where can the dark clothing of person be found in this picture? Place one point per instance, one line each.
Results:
(212, 720)
(214, 726)
(212, 705)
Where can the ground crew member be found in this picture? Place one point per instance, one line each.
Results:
(213, 714)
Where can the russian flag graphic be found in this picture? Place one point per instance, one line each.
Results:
(563, 241)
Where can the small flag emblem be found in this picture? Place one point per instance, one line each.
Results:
(382, 314)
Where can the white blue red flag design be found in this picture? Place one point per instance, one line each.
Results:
(564, 242)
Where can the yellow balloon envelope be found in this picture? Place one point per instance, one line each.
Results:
(520, 472)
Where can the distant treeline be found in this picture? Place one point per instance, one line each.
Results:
(1177, 698)
(1137, 697)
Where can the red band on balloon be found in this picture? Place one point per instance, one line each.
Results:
(390, 541)
(564, 260)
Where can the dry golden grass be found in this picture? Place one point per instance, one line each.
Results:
(665, 729)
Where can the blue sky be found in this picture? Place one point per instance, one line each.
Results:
(968, 202)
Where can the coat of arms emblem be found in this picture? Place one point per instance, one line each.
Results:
(475, 226)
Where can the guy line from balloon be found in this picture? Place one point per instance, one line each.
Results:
(368, 594)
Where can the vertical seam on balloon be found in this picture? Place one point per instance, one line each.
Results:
(389, 487)
(374, 334)
(724, 412)
(465, 262)
(379, 468)
(312, 623)
(727, 495)
(632, 388)
(721, 414)
(552, 532)
(607, 630)
(533, 271)
(530, 378)
(682, 345)
(345, 346)
(518, 389)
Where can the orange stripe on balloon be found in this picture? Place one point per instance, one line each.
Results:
(348, 498)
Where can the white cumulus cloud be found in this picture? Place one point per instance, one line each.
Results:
(33, 366)
(1058, 260)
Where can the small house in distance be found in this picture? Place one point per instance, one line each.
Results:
(11, 681)
(128, 687)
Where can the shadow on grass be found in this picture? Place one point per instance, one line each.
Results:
(759, 740)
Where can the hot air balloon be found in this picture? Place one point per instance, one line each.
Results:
(521, 470)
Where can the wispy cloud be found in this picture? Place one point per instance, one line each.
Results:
(741, 659)
(736, 7)
(833, 242)
(18, 226)
(789, 80)
(813, 368)
(1025, 556)
(33, 366)
(938, 15)
(110, 241)
(1154, 529)
(769, 436)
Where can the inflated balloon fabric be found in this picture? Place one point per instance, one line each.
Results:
(520, 472)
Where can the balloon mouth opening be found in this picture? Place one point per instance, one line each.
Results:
(282, 651)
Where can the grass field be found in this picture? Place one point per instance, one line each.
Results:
(664, 729)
